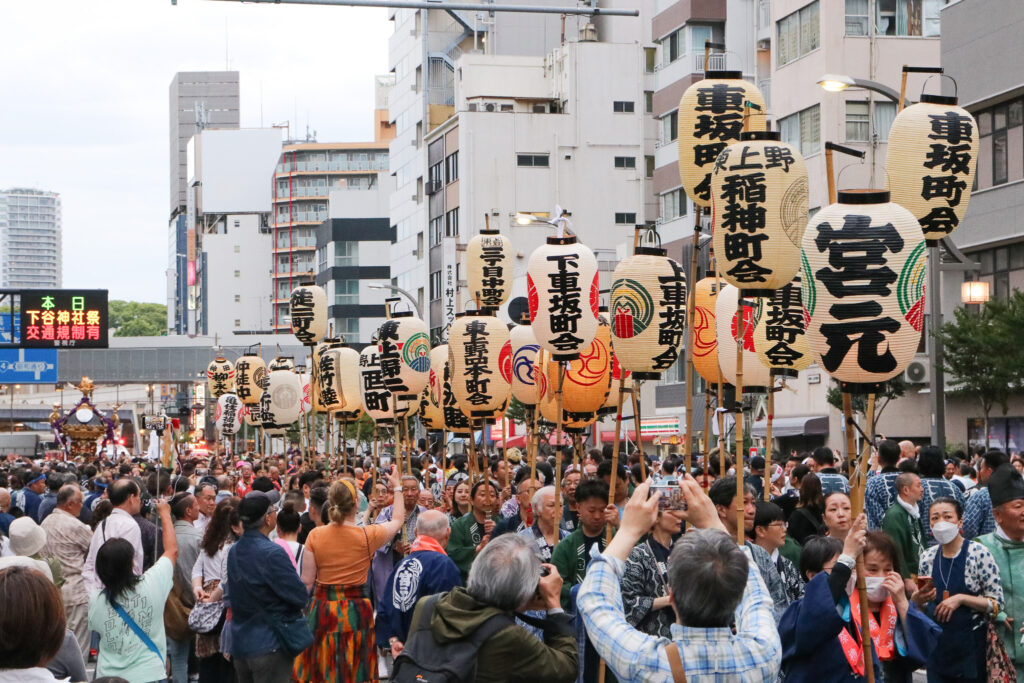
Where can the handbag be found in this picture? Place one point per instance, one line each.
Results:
(207, 617)
(176, 614)
(997, 661)
(293, 633)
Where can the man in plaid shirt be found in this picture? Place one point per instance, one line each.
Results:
(713, 584)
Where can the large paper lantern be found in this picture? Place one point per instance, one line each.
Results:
(703, 330)
(455, 420)
(250, 378)
(252, 414)
(220, 376)
(281, 401)
(710, 117)
(524, 354)
(377, 400)
(758, 212)
(489, 268)
(281, 363)
(780, 334)
(931, 160)
(329, 392)
(481, 357)
(648, 307)
(404, 347)
(307, 307)
(756, 378)
(547, 389)
(612, 402)
(429, 412)
(562, 291)
(863, 288)
(588, 378)
(349, 381)
(228, 416)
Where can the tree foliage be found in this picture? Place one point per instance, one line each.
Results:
(136, 319)
(890, 391)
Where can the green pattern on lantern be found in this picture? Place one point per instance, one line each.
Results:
(807, 291)
(632, 308)
(910, 287)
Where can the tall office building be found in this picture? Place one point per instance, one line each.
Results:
(30, 238)
(198, 100)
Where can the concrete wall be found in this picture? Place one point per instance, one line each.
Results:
(233, 167)
(244, 250)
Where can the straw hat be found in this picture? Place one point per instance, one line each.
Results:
(27, 537)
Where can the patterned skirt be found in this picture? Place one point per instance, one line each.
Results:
(343, 638)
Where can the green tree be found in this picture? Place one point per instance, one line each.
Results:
(136, 319)
(980, 353)
(889, 391)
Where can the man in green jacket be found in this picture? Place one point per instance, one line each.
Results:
(506, 577)
(572, 554)
(472, 532)
(1006, 543)
(902, 521)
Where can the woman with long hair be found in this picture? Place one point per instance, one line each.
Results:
(335, 566)
(128, 612)
(208, 575)
(31, 625)
(808, 518)
(461, 504)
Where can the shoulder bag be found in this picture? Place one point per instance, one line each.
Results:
(137, 630)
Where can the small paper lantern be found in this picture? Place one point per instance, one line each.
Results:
(489, 268)
(377, 400)
(711, 115)
(281, 363)
(220, 376)
(250, 378)
(562, 291)
(281, 401)
(229, 414)
(524, 354)
(704, 331)
(329, 393)
(481, 356)
(931, 161)
(863, 288)
(455, 421)
(588, 378)
(780, 335)
(758, 212)
(308, 310)
(648, 305)
(404, 347)
(349, 381)
(756, 378)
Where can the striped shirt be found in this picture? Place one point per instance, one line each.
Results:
(709, 655)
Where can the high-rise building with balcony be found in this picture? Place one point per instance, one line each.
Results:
(30, 238)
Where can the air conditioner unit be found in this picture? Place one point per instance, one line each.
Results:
(489, 106)
(918, 372)
(472, 106)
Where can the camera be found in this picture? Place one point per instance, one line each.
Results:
(671, 497)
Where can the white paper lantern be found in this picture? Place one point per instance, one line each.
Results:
(489, 268)
(220, 376)
(562, 291)
(404, 347)
(756, 378)
(524, 355)
(281, 400)
(250, 378)
(229, 414)
(307, 307)
(349, 382)
(377, 400)
(481, 357)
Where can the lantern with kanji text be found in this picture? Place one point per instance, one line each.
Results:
(562, 292)
(377, 399)
(780, 335)
(349, 381)
(489, 268)
(756, 378)
(220, 376)
(307, 307)
(481, 358)
(229, 414)
(250, 378)
(404, 347)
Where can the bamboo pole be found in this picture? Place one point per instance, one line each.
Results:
(635, 393)
(615, 467)
(740, 337)
(376, 456)
(577, 448)
(474, 469)
(857, 503)
(531, 446)
(504, 450)
(707, 436)
(558, 443)
(691, 303)
(768, 439)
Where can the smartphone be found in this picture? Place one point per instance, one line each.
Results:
(671, 497)
(924, 583)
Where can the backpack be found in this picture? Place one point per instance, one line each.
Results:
(424, 660)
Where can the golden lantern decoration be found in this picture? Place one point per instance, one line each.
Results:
(703, 329)
(377, 400)
(404, 347)
(546, 372)
(228, 415)
(489, 268)
(931, 160)
(329, 391)
(250, 378)
(281, 363)
(455, 421)
(220, 376)
(524, 355)
(280, 403)
(562, 292)
(711, 115)
(349, 382)
(648, 305)
(307, 307)
(756, 378)
(780, 334)
(863, 288)
(480, 349)
(758, 212)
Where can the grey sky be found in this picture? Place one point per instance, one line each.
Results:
(85, 107)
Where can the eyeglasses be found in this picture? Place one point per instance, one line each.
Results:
(784, 525)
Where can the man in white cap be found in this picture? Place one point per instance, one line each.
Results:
(27, 539)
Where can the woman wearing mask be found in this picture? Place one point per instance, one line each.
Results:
(931, 466)
(209, 575)
(965, 590)
(838, 515)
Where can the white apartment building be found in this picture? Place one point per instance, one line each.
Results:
(30, 239)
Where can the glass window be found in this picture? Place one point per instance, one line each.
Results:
(1015, 113)
(623, 107)
(346, 292)
(857, 122)
(650, 58)
(885, 114)
(1002, 258)
(670, 127)
(346, 253)
(1017, 256)
(649, 164)
(625, 219)
(698, 36)
(986, 259)
(648, 101)
(535, 160)
(999, 157)
(625, 162)
(909, 17)
(672, 47)
(451, 223)
(451, 167)
(999, 117)
(798, 33)
(856, 17)
(803, 129)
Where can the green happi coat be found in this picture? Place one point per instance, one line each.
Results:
(466, 536)
(569, 557)
(1009, 557)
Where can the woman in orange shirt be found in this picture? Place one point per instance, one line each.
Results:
(336, 561)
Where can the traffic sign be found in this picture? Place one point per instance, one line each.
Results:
(28, 366)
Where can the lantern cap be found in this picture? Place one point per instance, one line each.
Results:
(863, 196)
(939, 99)
(569, 239)
(644, 376)
(490, 231)
(724, 75)
(401, 314)
(783, 372)
(755, 294)
(772, 135)
(650, 251)
(477, 313)
(603, 308)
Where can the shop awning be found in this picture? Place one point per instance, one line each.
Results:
(609, 436)
(793, 426)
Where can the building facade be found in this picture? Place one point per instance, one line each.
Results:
(30, 239)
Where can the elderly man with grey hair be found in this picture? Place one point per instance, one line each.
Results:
(505, 578)
(67, 542)
(545, 531)
(712, 585)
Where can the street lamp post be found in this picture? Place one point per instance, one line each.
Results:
(407, 295)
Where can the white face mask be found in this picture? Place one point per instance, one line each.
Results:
(945, 532)
(877, 592)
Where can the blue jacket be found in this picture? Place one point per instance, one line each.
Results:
(422, 573)
(262, 587)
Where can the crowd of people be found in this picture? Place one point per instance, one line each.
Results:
(275, 568)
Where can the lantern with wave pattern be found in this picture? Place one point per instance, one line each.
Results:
(524, 354)
(588, 378)
(481, 359)
(562, 291)
(546, 372)
(404, 349)
(756, 378)
(703, 329)
(489, 268)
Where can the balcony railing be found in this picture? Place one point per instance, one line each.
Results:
(716, 62)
